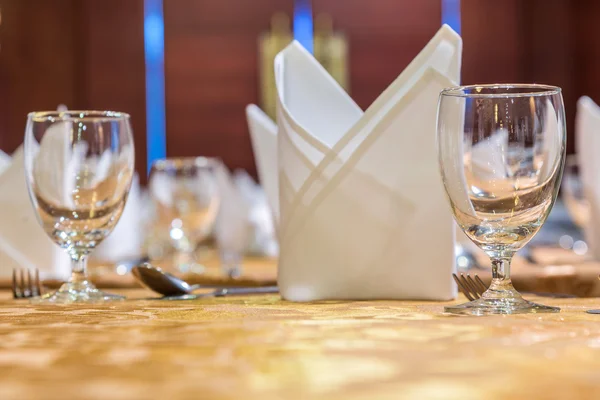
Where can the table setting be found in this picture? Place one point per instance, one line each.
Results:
(413, 250)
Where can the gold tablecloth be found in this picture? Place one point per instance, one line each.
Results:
(261, 347)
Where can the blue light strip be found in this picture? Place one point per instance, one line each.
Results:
(451, 14)
(303, 24)
(154, 50)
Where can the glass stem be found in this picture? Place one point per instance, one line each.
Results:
(501, 283)
(78, 269)
(501, 268)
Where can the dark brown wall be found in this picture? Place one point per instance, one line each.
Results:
(37, 62)
(384, 36)
(211, 74)
(89, 54)
(531, 41)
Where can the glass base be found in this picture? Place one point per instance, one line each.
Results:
(500, 306)
(76, 292)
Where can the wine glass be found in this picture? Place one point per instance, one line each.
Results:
(78, 167)
(573, 194)
(501, 151)
(186, 196)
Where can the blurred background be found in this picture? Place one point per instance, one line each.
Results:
(185, 69)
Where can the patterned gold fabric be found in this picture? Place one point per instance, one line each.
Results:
(260, 347)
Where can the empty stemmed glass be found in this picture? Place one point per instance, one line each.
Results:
(501, 153)
(185, 193)
(79, 166)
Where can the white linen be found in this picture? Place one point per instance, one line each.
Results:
(587, 141)
(363, 214)
(23, 242)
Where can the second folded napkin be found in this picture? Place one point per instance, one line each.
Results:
(23, 242)
(363, 214)
(587, 135)
(263, 134)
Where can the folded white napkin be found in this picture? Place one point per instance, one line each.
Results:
(260, 216)
(126, 241)
(587, 141)
(263, 135)
(5, 161)
(232, 226)
(23, 242)
(363, 214)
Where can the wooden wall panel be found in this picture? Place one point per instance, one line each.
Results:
(211, 62)
(87, 54)
(112, 56)
(37, 62)
(211, 72)
(384, 36)
(551, 40)
(494, 44)
(529, 41)
(586, 46)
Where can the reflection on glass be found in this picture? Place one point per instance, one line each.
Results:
(501, 151)
(79, 166)
(186, 197)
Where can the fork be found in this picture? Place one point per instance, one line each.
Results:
(472, 288)
(23, 286)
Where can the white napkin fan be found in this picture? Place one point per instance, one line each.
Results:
(23, 242)
(126, 240)
(263, 135)
(363, 214)
(587, 141)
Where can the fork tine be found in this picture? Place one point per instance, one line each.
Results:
(15, 290)
(468, 284)
(465, 284)
(475, 286)
(480, 282)
(22, 286)
(30, 285)
(38, 286)
(461, 288)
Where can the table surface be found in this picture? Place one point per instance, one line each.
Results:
(265, 348)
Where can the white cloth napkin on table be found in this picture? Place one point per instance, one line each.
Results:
(263, 135)
(587, 141)
(5, 161)
(363, 213)
(126, 241)
(260, 216)
(232, 226)
(23, 242)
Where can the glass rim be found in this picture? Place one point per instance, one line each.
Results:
(178, 163)
(77, 115)
(527, 90)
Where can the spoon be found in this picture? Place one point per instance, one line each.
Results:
(225, 292)
(170, 286)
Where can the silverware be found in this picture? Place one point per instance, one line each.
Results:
(174, 288)
(162, 282)
(24, 286)
(473, 288)
(225, 292)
